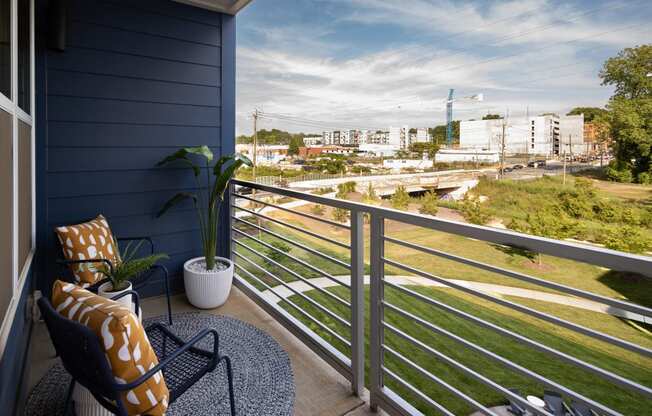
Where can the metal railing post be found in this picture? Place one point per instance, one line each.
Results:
(377, 242)
(357, 301)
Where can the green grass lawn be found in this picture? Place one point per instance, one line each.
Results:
(611, 358)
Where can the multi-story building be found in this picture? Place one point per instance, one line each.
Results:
(399, 136)
(422, 135)
(540, 135)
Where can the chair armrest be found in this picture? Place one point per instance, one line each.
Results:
(167, 360)
(148, 239)
(135, 298)
(69, 262)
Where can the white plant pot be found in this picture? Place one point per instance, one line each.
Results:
(207, 289)
(104, 291)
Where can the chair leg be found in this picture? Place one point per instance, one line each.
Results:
(167, 293)
(229, 376)
(69, 403)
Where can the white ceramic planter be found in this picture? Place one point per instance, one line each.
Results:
(103, 291)
(209, 289)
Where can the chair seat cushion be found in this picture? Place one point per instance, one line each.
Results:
(89, 240)
(125, 342)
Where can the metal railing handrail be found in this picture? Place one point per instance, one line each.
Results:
(381, 394)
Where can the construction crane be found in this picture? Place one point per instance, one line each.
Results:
(449, 112)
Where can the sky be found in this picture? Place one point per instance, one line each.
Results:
(314, 65)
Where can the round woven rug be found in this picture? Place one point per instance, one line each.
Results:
(262, 374)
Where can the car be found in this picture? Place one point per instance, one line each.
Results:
(518, 167)
(532, 164)
(508, 169)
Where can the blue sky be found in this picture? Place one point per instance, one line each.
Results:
(376, 63)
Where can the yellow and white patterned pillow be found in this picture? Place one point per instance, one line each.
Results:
(126, 345)
(89, 240)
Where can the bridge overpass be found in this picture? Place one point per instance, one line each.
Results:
(449, 180)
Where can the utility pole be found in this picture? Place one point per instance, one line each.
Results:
(502, 151)
(255, 115)
(564, 177)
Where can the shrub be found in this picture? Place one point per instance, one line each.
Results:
(317, 209)
(341, 215)
(606, 211)
(625, 238)
(644, 178)
(429, 203)
(619, 173)
(474, 212)
(575, 204)
(275, 255)
(346, 188)
(401, 198)
(370, 196)
(322, 191)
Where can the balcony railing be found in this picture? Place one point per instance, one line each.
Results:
(417, 340)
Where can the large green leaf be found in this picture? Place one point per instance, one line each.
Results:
(222, 181)
(201, 151)
(182, 155)
(181, 196)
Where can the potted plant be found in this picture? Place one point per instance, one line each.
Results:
(127, 268)
(207, 279)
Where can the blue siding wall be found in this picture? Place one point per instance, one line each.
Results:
(137, 80)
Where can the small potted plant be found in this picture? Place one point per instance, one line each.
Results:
(127, 268)
(207, 279)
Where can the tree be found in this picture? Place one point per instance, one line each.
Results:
(631, 129)
(429, 203)
(590, 113)
(492, 117)
(630, 113)
(295, 143)
(628, 72)
(401, 198)
(424, 148)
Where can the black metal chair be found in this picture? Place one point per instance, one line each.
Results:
(83, 357)
(137, 283)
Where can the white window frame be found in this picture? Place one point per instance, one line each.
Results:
(10, 105)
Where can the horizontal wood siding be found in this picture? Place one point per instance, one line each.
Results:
(137, 80)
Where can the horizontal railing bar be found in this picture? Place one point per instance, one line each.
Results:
(303, 214)
(417, 392)
(300, 310)
(524, 277)
(462, 367)
(295, 274)
(600, 408)
(301, 246)
(334, 357)
(525, 340)
(526, 310)
(611, 259)
(294, 227)
(301, 262)
(318, 199)
(296, 292)
(434, 379)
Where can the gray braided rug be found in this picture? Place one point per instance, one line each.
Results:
(262, 375)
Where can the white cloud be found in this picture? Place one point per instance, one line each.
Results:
(300, 70)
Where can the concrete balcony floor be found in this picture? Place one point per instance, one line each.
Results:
(320, 390)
